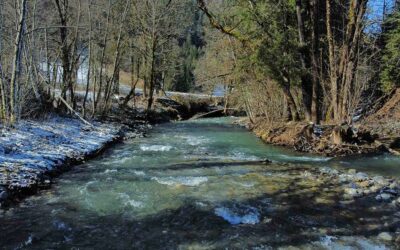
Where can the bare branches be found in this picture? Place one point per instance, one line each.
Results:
(214, 22)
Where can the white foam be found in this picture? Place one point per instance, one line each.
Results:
(251, 216)
(139, 173)
(127, 201)
(305, 158)
(108, 171)
(155, 148)
(195, 140)
(243, 156)
(344, 243)
(186, 181)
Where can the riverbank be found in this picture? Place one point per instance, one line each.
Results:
(375, 132)
(326, 140)
(35, 151)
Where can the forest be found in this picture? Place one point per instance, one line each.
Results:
(281, 60)
(199, 124)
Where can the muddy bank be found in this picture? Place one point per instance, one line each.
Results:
(36, 151)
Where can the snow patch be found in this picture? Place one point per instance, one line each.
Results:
(36, 147)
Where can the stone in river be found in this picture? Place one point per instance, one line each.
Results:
(361, 177)
(383, 197)
(352, 171)
(390, 191)
(352, 192)
(385, 236)
(379, 180)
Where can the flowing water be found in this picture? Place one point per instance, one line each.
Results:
(194, 185)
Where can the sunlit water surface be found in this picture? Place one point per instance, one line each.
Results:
(189, 185)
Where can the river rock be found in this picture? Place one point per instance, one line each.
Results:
(374, 188)
(384, 197)
(343, 178)
(398, 240)
(352, 171)
(353, 192)
(361, 177)
(329, 171)
(385, 236)
(364, 184)
(397, 202)
(3, 195)
(390, 191)
(379, 180)
(394, 185)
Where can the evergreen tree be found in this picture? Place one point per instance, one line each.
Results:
(390, 76)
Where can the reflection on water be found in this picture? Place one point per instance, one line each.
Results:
(193, 185)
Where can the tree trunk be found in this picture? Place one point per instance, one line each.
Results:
(290, 100)
(14, 87)
(103, 54)
(332, 62)
(315, 106)
(89, 60)
(306, 82)
(65, 51)
(152, 75)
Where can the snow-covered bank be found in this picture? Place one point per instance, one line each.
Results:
(33, 150)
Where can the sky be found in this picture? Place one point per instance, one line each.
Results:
(376, 11)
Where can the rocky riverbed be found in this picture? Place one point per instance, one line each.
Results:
(34, 151)
(359, 204)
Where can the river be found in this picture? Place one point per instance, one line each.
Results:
(195, 185)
